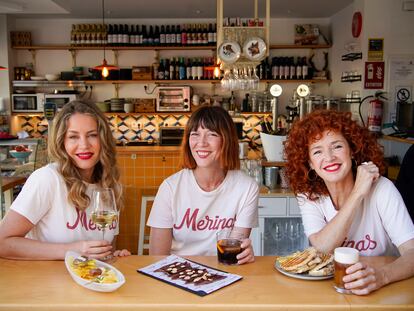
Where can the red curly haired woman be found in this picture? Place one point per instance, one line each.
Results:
(334, 167)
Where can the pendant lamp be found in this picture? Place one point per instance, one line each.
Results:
(104, 67)
(3, 68)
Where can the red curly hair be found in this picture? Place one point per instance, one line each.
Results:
(363, 144)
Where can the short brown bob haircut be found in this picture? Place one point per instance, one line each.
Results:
(363, 144)
(218, 120)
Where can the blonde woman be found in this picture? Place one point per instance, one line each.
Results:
(51, 215)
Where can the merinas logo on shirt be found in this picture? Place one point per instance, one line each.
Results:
(361, 245)
(83, 221)
(207, 223)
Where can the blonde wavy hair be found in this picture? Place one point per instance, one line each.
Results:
(105, 174)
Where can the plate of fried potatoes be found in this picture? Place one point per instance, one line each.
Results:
(308, 264)
(93, 274)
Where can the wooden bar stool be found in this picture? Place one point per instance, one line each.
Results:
(146, 204)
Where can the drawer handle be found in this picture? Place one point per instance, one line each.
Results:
(259, 206)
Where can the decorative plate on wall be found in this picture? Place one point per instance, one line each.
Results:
(255, 49)
(229, 51)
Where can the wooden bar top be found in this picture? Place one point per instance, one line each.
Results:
(46, 285)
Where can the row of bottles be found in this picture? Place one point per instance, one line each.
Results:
(242, 22)
(180, 68)
(143, 35)
(284, 68)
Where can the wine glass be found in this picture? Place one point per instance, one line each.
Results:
(104, 211)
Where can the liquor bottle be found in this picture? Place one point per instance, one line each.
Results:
(166, 69)
(215, 34)
(194, 73)
(157, 35)
(200, 68)
(210, 35)
(162, 35)
(172, 35)
(245, 104)
(275, 68)
(184, 36)
(151, 36)
(172, 68)
(155, 68)
(232, 102)
(205, 35)
(73, 35)
(140, 36)
(199, 35)
(144, 35)
(120, 35)
(161, 70)
(299, 68)
(178, 36)
(132, 36)
(292, 69)
(167, 35)
(136, 36)
(189, 70)
(182, 70)
(305, 74)
(125, 36)
(287, 68)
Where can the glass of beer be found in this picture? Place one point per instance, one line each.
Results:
(344, 257)
(228, 246)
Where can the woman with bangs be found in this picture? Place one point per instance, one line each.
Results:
(51, 215)
(209, 194)
(334, 167)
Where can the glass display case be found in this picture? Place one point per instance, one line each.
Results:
(22, 156)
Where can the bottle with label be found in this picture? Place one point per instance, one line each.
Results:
(305, 74)
(299, 68)
(292, 71)
(188, 70)
(172, 36)
(232, 102)
(182, 72)
(184, 36)
(162, 36)
(178, 35)
(157, 35)
(151, 36)
(166, 69)
(161, 70)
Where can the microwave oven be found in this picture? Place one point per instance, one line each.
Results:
(60, 99)
(173, 98)
(28, 102)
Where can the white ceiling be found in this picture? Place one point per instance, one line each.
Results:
(90, 9)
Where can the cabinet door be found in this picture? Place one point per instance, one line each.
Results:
(272, 206)
(294, 209)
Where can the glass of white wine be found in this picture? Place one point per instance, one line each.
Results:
(104, 211)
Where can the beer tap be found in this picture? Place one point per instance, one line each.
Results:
(303, 91)
(275, 91)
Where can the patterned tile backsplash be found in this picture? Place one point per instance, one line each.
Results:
(145, 126)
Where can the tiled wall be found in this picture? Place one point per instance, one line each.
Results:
(145, 126)
(140, 171)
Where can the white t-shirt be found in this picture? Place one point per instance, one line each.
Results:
(44, 202)
(381, 224)
(196, 215)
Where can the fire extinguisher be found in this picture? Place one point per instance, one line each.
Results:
(375, 112)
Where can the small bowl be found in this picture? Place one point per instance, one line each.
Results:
(20, 154)
(98, 287)
(51, 76)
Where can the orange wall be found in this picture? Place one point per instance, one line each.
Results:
(140, 171)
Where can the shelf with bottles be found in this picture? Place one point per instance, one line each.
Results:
(114, 48)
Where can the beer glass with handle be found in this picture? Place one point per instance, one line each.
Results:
(104, 211)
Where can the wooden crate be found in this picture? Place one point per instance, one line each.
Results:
(141, 73)
(144, 104)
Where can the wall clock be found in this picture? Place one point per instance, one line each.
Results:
(356, 24)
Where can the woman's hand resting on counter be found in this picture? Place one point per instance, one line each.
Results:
(247, 255)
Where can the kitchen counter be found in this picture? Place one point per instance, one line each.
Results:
(144, 149)
(46, 285)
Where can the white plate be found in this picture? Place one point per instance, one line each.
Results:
(302, 276)
(229, 52)
(70, 256)
(254, 49)
(37, 78)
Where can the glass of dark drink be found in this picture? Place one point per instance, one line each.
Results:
(228, 246)
(344, 257)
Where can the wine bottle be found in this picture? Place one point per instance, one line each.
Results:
(162, 36)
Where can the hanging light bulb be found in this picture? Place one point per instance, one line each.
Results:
(104, 67)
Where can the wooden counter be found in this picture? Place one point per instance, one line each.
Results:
(46, 285)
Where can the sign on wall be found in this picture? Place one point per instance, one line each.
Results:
(376, 49)
(374, 75)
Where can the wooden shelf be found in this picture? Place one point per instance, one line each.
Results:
(298, 81)
(117, 48)
(295, 46)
